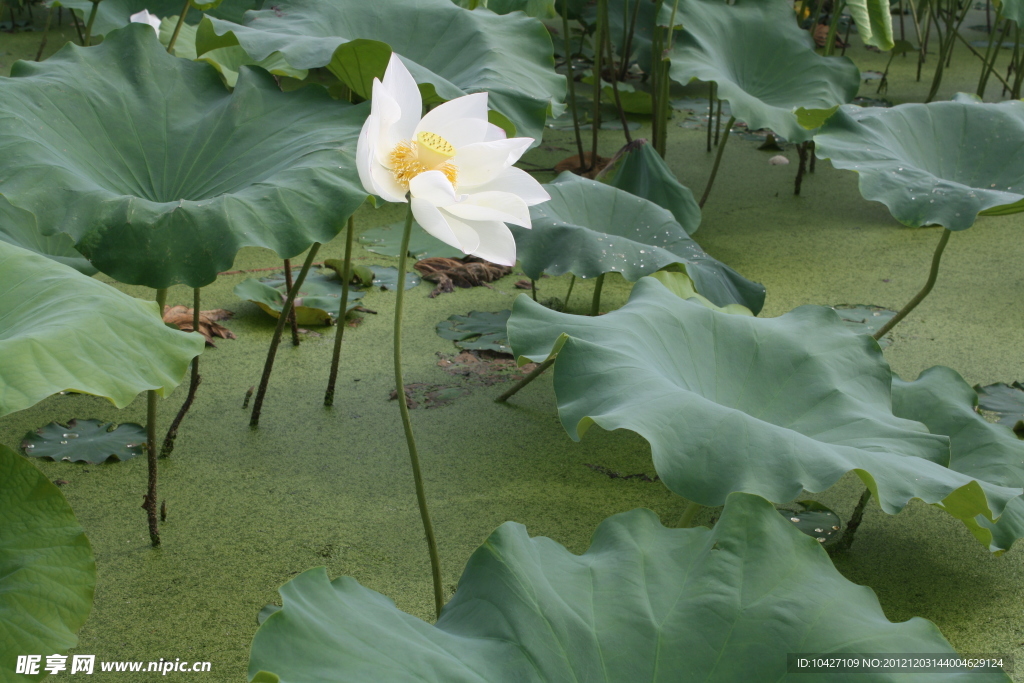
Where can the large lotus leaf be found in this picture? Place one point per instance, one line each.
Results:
(451, 50)
(640, 170)
(47, 571)
(589, 228)
(194, 172)
(61, 330)
(941, 163)
(763, 63)
(542, 9)
(945, 403)
(644, 603)
(226, 60)
(115, 14)
(19, 228)
(874, 22)
(770, 406)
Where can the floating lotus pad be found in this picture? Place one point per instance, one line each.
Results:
(479, 330)
(203, 173)
(942, 163)
(47, 570)
(450, 51)
(589, 228)
(644, 603)
(19, 228)
(318, 303)
(86, 441)
(807, 396)
(943, 401)
(61, 330)
(764, 64)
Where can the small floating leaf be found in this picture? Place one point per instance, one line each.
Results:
(86, 441)
(814, 519)
(478, 330)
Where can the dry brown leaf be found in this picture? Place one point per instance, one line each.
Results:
(181, 317)
(449, 273)
(821, 36)
(573, 164)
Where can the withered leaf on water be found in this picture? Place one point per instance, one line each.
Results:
(449, 273)
(181, 317)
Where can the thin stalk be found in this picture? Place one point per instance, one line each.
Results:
(78, 27)
(932, 275)
(346, 276)
(988, 63)
(801, 150)
(981, 57)
(811, 156)
(903, 28)
(595, 305)
(46, 34)
(571, 78)
(1019, 78)
(846, 38)
(534, 374)
(292, 321)
(595, 123)
(421, 496)
(615, 80)
(718, 161)
(568, 293)
(86, 41)
(846, 540)
(711, 111)
(177, 27)
(533, 289)
(149, 500)
(627, 48)
(685, 520)
(718, 121)
(268, 366)
(923, 54)
(172, 431)
(665, 104)
(837, 13)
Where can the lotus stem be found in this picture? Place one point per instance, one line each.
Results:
(627, 43)
(595, 306)
(172, 431)
(346, 277)
(571, 78)
(718, 161)
(86, 41)
(718, 121)
(268, 366)
(614, 76)
(568, 293)
(149, 500)
(664, 104)
(533, 288)
(78, 27)
(711, 111)
(46, 34)
(595, 124)
(685, 520)
(846, 540)
(177, 27)
(291, 316)
(1019, 78)
(912, 304)
(403, 405)
(830, 41)
(977, 54)
(988, 62)
(801, 150)
(534, 374)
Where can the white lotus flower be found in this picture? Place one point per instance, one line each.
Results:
(144, 17)
(454, 164)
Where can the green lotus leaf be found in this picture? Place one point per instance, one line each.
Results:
(387, 240)
(115, 14)
(449, 50)
(644, 603)
(19, 228)
(589, 228)
(681, 285)
(942, 163)
(542, 9)
(1006, 400)
(196, 172)
(1013, 10)
(640, 170)
(945, 403)
(85, 441)
(771, 406)
(317, 303)
(226, 60)
(479, 330)
(47, 570)
(61, 330)
(763, 63)
(874, 22)
(866, 319)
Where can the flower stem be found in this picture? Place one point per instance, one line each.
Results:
(172, 431)
(177, 27)
(534, 374)
(718, 160)
(595, 305)
(912, 304)
(403, 405)
(346, 276)
(149, 500)
(268, 366)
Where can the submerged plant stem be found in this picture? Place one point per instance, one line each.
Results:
(346, 276)
(534, 374)
(595, 306)
(268, 366)
(718, 161)
(403, 405)
(149, 501)
(177, 27)
(846, 540)
(172, 431)
(912, 304)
